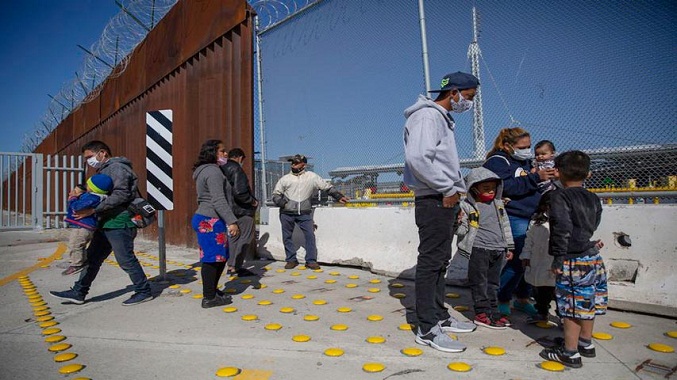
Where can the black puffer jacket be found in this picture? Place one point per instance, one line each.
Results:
(241, 191)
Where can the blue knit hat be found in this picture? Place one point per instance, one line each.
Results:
(100, 183)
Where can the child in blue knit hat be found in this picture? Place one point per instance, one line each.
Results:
(82, 230)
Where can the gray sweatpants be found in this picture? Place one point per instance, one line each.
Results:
(239, 245)
(77, 245)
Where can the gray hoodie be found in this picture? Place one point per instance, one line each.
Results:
(125, 187)
(211, 195)
(431, 164)
(467, 230)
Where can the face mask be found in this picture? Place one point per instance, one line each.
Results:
(221, 160)
(462, 105)
(522, 154)
(485, 197)
(297, 170)
(93, 162)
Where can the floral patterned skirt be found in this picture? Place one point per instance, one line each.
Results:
(211, 237)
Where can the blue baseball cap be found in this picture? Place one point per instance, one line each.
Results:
(458, 81)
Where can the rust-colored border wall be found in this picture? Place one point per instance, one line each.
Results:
(197, 62)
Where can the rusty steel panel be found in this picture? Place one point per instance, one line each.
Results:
(198, 61)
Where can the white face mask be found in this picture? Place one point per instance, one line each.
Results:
(522, 154)
(94, 162)
(462, 105)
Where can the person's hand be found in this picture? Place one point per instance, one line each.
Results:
(75, 192)
(508, 255)
(546, 174)
(85, 212)
(451, 201)
(599, 244)
(233, 230)
(526, 263)
(255, 203)
(556, 270)
(343, 200)
(459, 217)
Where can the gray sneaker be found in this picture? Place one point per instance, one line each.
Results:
(438, 340)
(454, 325)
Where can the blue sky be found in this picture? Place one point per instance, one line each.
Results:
(39, 54)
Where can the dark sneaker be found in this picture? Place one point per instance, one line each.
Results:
(586, 351)
(438, 340)
(482, 319)
(313, 265)
(72, 270)
(69, 295)
(216, 301)
(504, 321)
(454, 325)
(137, 298)
(291, 264)
(533, 319)
(504, 309)
(557, 354)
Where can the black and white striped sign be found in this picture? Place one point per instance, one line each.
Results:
(160, 183)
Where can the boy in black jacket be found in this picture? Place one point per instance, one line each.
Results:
(581, 285)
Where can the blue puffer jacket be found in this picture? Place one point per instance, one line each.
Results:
(519, 184)
(75, 204)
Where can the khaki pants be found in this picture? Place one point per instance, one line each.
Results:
(77, 245)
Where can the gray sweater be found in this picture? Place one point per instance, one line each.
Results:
(211, 196)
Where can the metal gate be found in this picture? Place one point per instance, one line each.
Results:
(34, 190)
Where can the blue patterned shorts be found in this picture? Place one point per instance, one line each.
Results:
(581, 290)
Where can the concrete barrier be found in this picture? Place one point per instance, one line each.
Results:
(385, 240)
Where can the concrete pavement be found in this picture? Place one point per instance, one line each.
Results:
(172, 337)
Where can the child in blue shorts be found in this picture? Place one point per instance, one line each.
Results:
(581, 283)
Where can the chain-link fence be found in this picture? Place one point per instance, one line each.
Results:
(593, 76)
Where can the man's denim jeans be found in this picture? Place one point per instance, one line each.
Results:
(305, 222)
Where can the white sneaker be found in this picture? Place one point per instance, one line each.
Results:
(454, 325)
(438, 340)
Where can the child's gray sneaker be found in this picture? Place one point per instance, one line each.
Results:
(454, 325)
(437, 339)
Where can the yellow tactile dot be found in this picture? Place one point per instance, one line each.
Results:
(373, 290)
(396, 285)
(230, 290)
(51, 331)
(273, 326)
(375, 339)
(59, 347)
(659, 347)
(280, 270)
(71, 368)
(231, 278)
(278, 291)
(185, 291)
(228, 372)
(311, 318)
(459, 367)
(34, 297)
(550, 365)
(453, 295)
(54, 338)
(300, 338)
(461, 308)
(319, 302)
(344, 309)
(298, 296)
(267, 268)
(351, 285)
(30, 292)
(399, 295)
(249, 317)
(373, 367)
(66, 356)
(265, 303)
(44, 318)
(28, 286)
(411, 351)
(155, 267)
(545, 324)
(44, 325)
(671, 334)
(287, 310)
(230, 309)
(36, 303)
(353, 277)
(493, 350)
(260, 286)
(339, 327)
(374, 281)
(247, 296)
(333, 352)
(318, 270)
(198, 296)
(620, 325)
(329, 281)
(311, 277)
(174, 286)
(295, 273)
(245, 281)
(375, 318)
(302, 267)
(405, 327)
(334, 273)
(40, 308)
(602, 336)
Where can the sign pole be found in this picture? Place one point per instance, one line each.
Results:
(161, 242)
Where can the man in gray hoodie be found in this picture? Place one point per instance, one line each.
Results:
(432, 170)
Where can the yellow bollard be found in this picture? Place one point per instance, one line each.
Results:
(609, 201)
(656, 200)
(631, 201)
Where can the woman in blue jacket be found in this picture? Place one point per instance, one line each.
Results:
(510, 158)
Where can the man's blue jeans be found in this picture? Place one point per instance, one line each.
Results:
(306, 225)
(512, 276)
(121, 242)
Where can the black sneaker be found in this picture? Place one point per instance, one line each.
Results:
(586, 351)
(137, 298)
(557, 354)
(291, 264)
(69, 295)
(216, 301)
